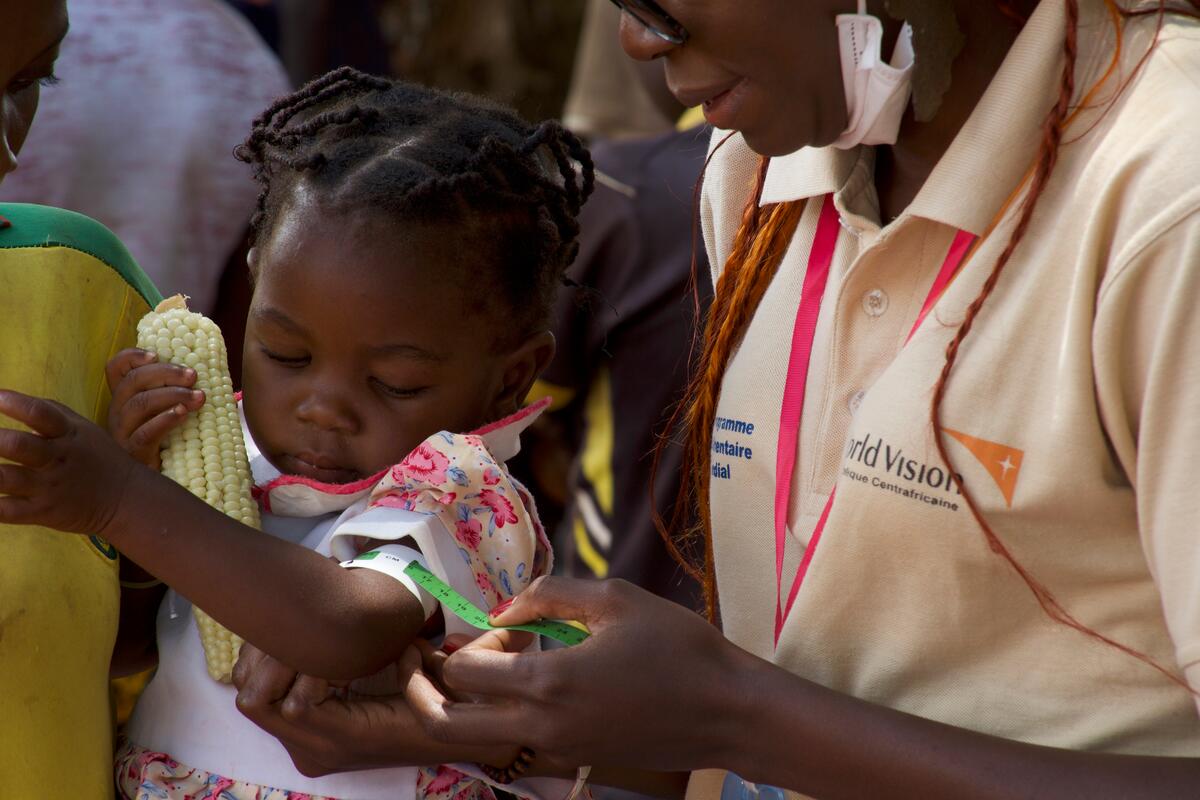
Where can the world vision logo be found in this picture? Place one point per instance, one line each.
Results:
(1002, 462)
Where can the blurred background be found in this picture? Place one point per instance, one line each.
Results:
(534, 55)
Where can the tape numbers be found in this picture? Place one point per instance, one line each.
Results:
(565, 632)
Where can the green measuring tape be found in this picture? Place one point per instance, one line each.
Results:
(566, 632)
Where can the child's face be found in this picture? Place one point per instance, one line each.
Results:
(362, 341)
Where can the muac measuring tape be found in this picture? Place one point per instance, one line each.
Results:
(569, 633)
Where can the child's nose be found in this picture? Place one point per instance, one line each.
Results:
(327, 412)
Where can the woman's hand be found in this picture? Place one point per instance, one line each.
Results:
(649, 689)
(149, 400)
(67, 474)
(325, 729)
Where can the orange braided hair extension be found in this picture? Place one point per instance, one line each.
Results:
(758, 248)
(1047, 158)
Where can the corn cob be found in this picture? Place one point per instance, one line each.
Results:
(206, 453)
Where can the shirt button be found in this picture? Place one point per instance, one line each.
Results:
(855, 401)
(875, 302)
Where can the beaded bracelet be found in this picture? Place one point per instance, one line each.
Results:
(506, 775)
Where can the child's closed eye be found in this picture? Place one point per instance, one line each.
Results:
(287, 360)
(403, 393)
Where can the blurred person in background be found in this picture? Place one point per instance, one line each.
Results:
(316, 36)
(264, 16)
(153, 99)
(518, 52)
(607, 98)
(624, 340)
(149, 102)
(69, 295)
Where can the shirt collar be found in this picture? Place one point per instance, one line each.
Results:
(808, 172)
(992, 152)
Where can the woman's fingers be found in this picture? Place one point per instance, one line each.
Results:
(499, 641)
(449, 722)
(249, 657)
(303, 695)
(44, 417)
(558, 598)
(267, 684)
(483, 671)
(305, 736)
(423, 655)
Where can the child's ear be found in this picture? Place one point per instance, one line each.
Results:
(519, 370)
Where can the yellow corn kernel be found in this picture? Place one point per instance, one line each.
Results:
(206, 453)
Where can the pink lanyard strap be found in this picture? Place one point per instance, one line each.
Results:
(816, 275)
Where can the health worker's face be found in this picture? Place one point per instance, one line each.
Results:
(363, 340)
(767, 68)
(30, 33)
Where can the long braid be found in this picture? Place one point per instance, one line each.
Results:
(758, 249)
(1047, 158)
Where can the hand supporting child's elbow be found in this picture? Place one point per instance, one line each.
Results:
(326, 731)
(149, 400)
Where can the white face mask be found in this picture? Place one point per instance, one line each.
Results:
(877, 93)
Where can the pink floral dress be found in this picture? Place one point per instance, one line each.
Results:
(461, 480)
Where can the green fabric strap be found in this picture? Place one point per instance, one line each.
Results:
(43, 226)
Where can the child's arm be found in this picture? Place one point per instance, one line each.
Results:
(164, 396)
(293, 603)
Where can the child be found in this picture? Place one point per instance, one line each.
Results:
(408, 244)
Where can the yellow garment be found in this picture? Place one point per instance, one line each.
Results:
(690, 119)
(592, 537)
(70, 298)
(560, 396)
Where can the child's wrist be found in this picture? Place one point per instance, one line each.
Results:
(134, 499)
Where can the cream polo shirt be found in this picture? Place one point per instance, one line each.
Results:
(1075, 407)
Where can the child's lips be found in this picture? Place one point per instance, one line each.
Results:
(319, 468)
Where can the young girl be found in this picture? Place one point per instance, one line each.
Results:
(408, 244)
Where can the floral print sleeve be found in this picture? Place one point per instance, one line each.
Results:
(459, 479)
(456, 478)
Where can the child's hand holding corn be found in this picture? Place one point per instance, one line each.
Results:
(150, 398)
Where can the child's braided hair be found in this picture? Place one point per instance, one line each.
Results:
(365, 143)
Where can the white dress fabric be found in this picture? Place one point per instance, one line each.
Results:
(194, 719)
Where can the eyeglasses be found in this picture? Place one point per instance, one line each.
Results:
(659, 22)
